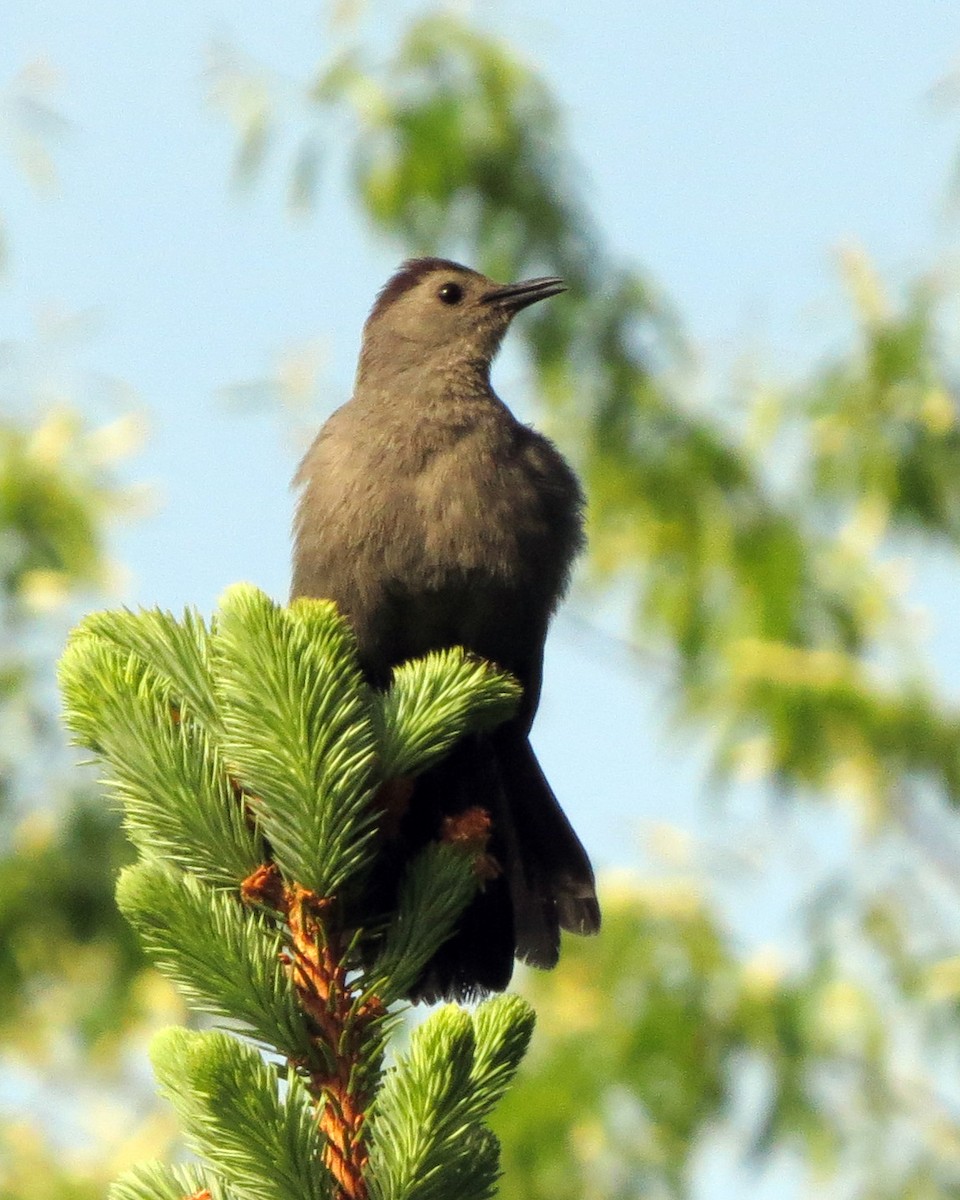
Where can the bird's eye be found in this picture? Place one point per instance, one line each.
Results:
(451, 293)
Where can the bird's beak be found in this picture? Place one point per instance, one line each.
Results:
(514, 296)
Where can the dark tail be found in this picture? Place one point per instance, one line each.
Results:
(545, 884)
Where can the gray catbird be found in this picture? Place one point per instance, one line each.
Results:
(434, 518)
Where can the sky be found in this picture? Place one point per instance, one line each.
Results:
(729, 149)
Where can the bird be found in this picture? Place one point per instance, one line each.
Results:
(434, 518)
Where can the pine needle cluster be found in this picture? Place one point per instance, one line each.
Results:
(254, 767)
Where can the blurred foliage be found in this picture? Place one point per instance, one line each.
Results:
(56, 494)
(29, 127)
(53, 502)
(28, 1169)
(59, 926)
(657, 1040)
(885, 433)
(71, 975)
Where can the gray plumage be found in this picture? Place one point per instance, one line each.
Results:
(434, 518)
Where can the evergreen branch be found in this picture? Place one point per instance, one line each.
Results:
(176, 652)
(417, 1128)
(503, 1026)
(87, 671)
(228, 1101)
(298, 733)
(347, 1025)
(432, 702)
(320, 978)
(288, 738)
(225, 959)
(427, 1142)
(413, 1119)
(158, 1181)
(178, 800)
(467, 1167)
(437, 887)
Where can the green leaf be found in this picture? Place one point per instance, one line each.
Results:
(433, 701)
(298, 732)
(503, 1027)
(229, 1103)
(224, 958)
(438, 885)
(416, 1110)
(427, 1142)
(176, 653)
(158, 1181)
(166, 770)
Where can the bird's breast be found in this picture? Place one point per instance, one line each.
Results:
(480, 516)
(478, 511)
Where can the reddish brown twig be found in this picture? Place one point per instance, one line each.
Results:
(339, 1021)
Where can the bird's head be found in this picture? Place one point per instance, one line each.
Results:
(437, 314)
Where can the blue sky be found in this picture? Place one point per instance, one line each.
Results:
(728, 148)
